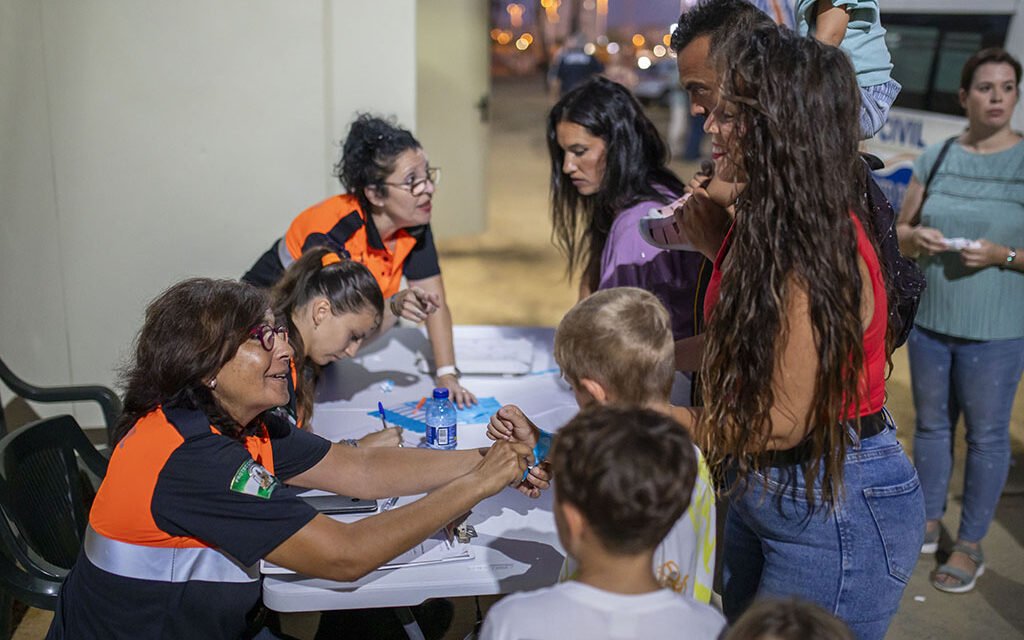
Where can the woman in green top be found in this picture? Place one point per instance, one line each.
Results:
(967, 350)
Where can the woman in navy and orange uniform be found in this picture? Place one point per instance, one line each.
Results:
(203, 481)
(330, 305)
(382, 222)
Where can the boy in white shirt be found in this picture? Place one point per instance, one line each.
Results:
(623, 477)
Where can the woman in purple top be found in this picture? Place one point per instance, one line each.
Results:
(608, 169)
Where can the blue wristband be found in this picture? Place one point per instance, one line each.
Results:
(540, 450)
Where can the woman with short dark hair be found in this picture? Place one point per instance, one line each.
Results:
(967, 349)
(383, 222)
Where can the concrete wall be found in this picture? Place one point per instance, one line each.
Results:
(453, 55)
(144, 142)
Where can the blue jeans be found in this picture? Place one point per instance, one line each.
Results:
(979, 378)
(853, 560)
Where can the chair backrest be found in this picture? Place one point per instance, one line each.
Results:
(108, 401)
(45, 495)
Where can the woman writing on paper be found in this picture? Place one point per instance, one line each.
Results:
(330, 306)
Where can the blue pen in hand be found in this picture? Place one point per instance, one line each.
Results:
(384, 423)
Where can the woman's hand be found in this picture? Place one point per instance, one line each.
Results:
(511, 424)
(704, 222)
(502, 466)
(460, 395)
(414, 304)
(986, 254)
(390, 437)
(927, 240)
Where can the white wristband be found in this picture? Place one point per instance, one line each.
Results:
(447, 370)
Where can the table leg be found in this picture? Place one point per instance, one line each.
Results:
(412, 628)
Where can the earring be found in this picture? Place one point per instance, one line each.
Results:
(212, 384)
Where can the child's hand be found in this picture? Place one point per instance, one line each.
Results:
(537, 480)
(510, 423)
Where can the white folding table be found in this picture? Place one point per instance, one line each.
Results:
(517, 547)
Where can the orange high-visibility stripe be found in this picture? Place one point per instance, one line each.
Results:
(385, 266)
(123, 507)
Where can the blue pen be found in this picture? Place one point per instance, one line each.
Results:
(384, 424)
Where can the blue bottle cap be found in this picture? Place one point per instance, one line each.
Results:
(440, 394)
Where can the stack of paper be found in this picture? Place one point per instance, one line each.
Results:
(433, 550)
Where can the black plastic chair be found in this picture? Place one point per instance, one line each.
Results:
(109, 403)
(44, 506)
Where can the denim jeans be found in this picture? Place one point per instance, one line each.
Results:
(853, 560)
(979, 378)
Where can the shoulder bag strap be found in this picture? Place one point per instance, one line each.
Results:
(931, 176)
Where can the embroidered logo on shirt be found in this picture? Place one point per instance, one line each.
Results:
(252, 479)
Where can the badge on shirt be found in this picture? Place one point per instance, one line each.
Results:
(254, 480)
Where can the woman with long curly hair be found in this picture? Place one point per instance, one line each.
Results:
(824, 504)
(608, 170)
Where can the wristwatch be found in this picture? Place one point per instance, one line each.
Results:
(1009, 258)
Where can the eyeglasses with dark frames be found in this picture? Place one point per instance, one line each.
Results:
(267, 334)
(417, 188)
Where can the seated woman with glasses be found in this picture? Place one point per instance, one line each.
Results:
(383, 222)
(203, 481)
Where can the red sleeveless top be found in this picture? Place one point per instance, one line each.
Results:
(871, 388)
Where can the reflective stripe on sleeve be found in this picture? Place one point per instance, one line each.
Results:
(164, 564)
(283, 255)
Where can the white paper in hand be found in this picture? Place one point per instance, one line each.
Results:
(959, 244)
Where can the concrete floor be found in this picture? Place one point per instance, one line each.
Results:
(511, 274)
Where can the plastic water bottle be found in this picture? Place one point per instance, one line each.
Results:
(441, 430)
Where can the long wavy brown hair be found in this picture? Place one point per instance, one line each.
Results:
(796, 126)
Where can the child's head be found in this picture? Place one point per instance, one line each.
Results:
(791, 619)
(620, 339)
(626, 473)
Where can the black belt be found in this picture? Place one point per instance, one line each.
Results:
(870, 425)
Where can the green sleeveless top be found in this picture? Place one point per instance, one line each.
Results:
(973, 196)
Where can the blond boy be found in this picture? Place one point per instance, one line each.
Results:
(615, 348)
